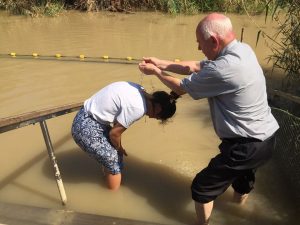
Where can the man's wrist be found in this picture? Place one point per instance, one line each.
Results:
(159, 72)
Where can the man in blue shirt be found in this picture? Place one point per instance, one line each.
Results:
(234, 84)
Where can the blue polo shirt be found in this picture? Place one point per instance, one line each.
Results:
(235, 86)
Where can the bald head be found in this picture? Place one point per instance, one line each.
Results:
(217, 25)
(213, 34)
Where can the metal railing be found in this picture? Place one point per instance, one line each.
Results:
(40, 116)
(287, 96)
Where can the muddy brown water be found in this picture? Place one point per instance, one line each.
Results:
(162, 159)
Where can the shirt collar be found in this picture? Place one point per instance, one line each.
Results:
(227, 47)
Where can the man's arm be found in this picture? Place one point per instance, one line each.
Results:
(183, 68)
(171, 82)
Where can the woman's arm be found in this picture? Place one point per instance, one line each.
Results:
(115, 137)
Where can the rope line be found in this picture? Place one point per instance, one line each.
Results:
(81, 58)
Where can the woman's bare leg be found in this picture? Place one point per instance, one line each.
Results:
(113, 181)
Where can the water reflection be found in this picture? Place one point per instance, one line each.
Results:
(163, 189)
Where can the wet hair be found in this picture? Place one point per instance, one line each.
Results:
(167, 103)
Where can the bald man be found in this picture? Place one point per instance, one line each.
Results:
(234, 84)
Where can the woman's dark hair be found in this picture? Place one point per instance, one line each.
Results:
(167, 103)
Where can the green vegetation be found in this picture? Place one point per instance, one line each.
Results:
(286, 43)
(33, 7)
(54, 7)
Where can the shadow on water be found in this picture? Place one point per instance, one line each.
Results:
(279, 191)
(168, 191)
(165, 189)
(76, 167)
(15, 174)
(268, 204)
(170, 198)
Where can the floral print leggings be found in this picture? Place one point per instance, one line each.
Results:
(93, 137)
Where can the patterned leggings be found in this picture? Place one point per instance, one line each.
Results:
(93, 137)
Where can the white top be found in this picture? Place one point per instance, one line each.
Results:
(235, 86)
(120, 101)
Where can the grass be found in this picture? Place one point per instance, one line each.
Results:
(33, 8)
(286, 49)
(54, 7)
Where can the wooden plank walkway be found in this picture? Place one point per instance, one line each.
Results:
(13, 214)
(21, 120)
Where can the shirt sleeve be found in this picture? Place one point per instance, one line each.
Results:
(208, 82)
(129, 115)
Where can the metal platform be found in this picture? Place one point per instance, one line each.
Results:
(13, 214)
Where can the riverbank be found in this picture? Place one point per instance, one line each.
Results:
(36, 8)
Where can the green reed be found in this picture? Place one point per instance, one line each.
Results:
(54, 7)
(33, 7)
(286, 42)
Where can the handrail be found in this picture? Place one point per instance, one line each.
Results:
(21, 120)
(40, 116)
(285, 95)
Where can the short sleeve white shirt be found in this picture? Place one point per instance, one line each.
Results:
(120, 101)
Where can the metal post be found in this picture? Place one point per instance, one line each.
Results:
(242, 34)
(59, 182)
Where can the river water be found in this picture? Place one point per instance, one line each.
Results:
(162, 159)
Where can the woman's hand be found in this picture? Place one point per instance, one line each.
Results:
(115, 135)
(122, 151)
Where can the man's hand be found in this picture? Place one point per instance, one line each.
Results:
(159, 63)
(149, 68)
(153, 60)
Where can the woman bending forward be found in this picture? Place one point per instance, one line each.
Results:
(98, 126)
